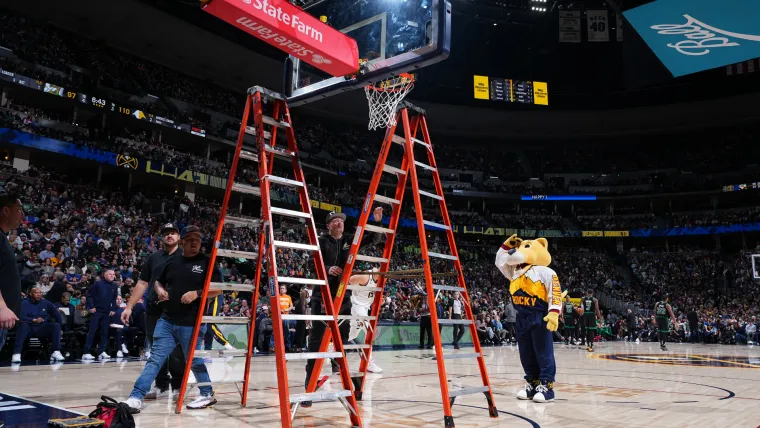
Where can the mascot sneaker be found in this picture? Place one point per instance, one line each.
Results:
(544, 392)
(529, 391)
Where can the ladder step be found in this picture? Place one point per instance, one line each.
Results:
(356, 374)
(357, 317)
(363, 288)
(448, 288)
(222, 353)
(300, 356)
(377, 229)
(399, 140)
(251, 130)
(237, 254)
(278, 151)
(245, 154)
(302, 281)
(424, 165)
(430, 195)
(244, 188)
(226, 320)
(386, 200)
(284, 181)
(461, 356)
(242, 221)
(271, 121)
(371, 259)
(320, 396)
(289, 213)
(301, 317)
(225, 286)
(362, 346)
(393, 170)
(452, 322)
(441, 256)
(213, 383)
(296, 245)
(467, 391)
(434, 224)
(420, 142)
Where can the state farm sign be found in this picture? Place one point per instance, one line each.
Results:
(291, 30)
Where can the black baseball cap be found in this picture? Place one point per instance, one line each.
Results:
(334, 215)
(169, 226)
(188, 230)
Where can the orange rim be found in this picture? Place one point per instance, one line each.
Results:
(401, 86)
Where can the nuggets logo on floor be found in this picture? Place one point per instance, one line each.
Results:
(537, 296)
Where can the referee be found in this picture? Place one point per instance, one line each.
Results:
(11, 215)
(334, 246)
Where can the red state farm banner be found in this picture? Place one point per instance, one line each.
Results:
(291, 30)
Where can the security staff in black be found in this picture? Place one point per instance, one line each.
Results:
(334, 246)
(568, 316)
(663, 311)
(590, 315)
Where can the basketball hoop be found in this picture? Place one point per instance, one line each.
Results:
(383, 98)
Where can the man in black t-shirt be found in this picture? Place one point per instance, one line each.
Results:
(11, 215)
(179, 286)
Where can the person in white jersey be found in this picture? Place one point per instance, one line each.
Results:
(361, 303)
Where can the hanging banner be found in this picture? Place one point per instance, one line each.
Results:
(619, 27)
(598, 26)
(570, 26)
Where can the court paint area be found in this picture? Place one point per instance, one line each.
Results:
(620, 385)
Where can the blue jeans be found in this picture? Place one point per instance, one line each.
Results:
(165, 339)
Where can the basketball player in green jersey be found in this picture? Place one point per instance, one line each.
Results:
(590, 315)
(568, 319)
(662, 312)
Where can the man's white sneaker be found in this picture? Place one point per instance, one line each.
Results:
(88, 357)
(147, 355)
(16, 358)
(373, 368)
(119, 354)
(57, 356)
(175, 395)
(134, 404)
(202, 402)
(104, 356)
(229, 347)
(124, 349)
(156, 393)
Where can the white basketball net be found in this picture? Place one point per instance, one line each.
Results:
(384, 98)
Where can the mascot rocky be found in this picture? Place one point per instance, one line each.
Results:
(537, 296)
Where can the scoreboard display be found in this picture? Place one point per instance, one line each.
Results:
(511, 91)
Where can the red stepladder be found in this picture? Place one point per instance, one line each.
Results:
(407, 172)
(265, 129)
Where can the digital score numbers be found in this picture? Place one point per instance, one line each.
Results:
(511, 91)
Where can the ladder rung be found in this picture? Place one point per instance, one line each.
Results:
(278, 151)
(289, 213)
(399, 140)
(225, 286)
(371, 259)
(301, 317)
(377, 229)
(284, 181)
(213, 383)
(251, 130)
(430, 195)
(302, 281)
(245, 154)
(300, 356)
(441, 256)
(448, 288)
(357, 317)
(452, 322)
(414, 140)
(467, 391)
(434, 224)
(393, 170)
(271, 121)
(296, 245)
(386, 200)
(363, 288)
(237, 254)
(320, 396)
(226, 320)
(362, 346)
(356, 374)
(460, 356)
(221, 353)
(244, 188)
(242, 221)
(424, 165)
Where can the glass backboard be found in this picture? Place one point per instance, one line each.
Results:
(393, 36)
